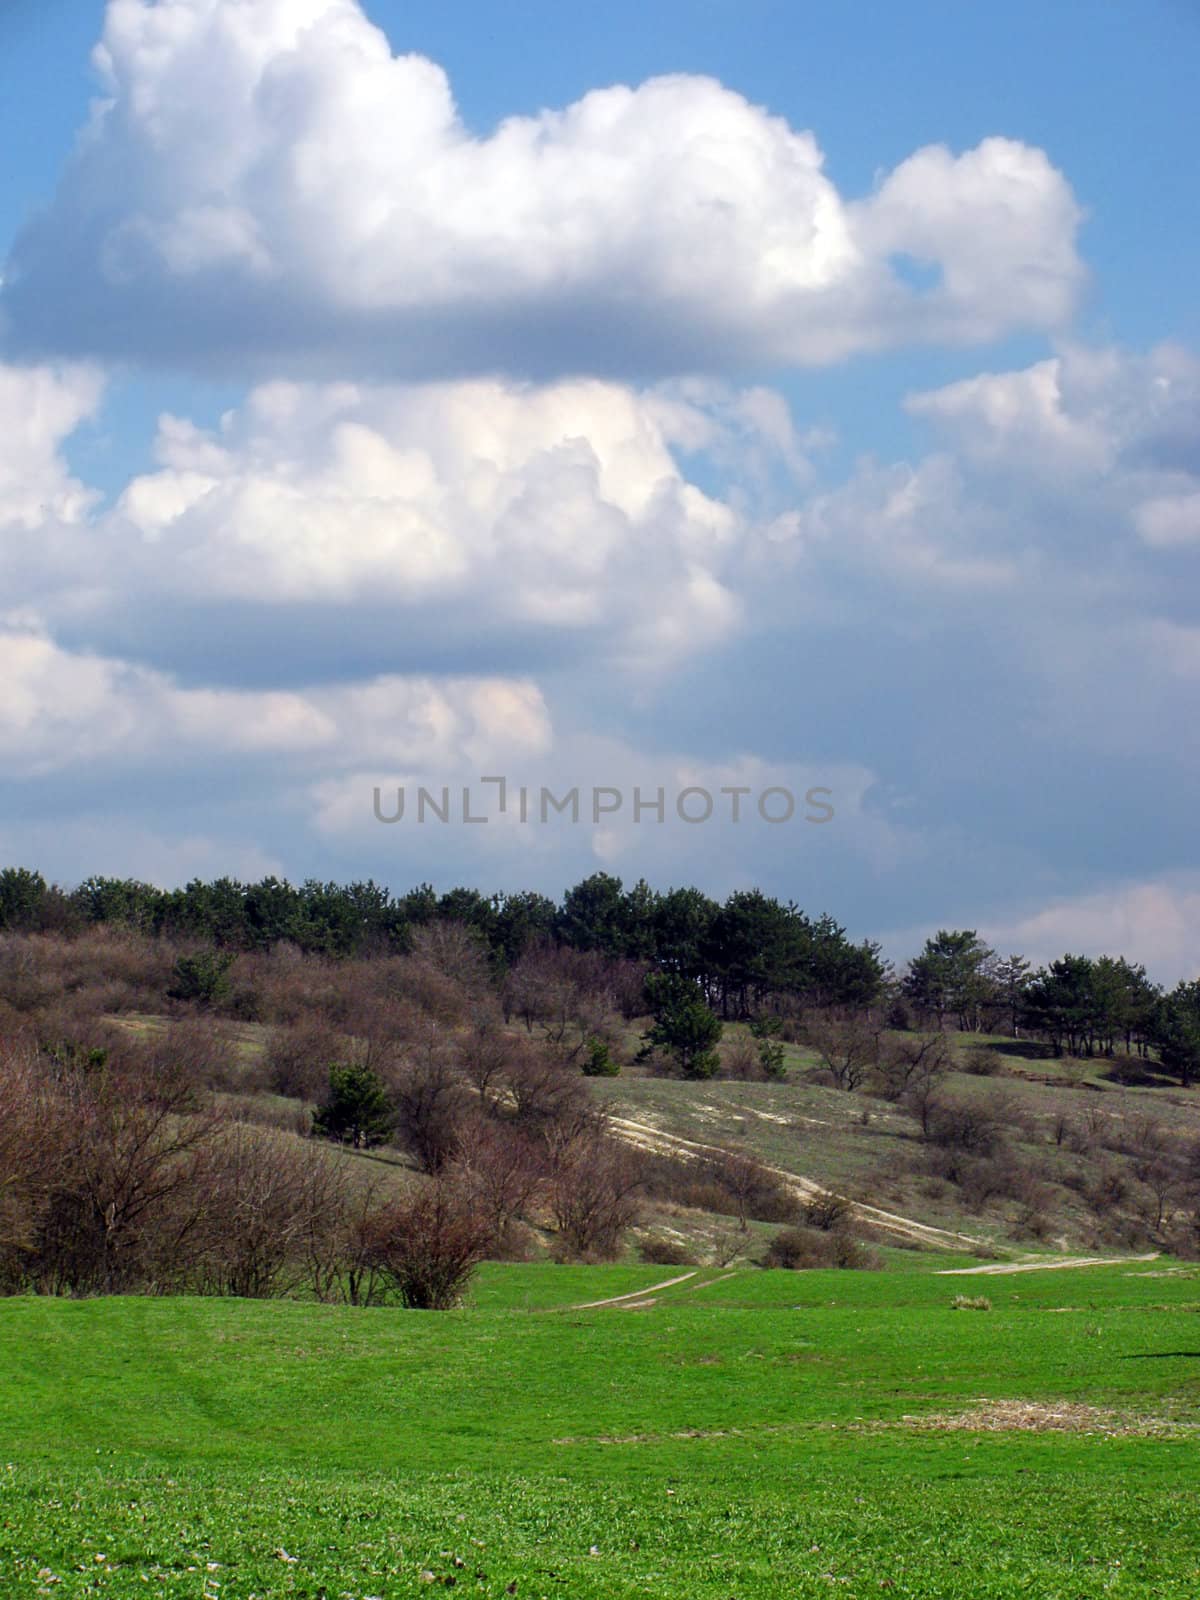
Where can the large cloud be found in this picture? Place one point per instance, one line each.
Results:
(455, 525)
(266, 188)
(67, 712)
(1073, 482)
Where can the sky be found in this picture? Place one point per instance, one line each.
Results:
(770, 401)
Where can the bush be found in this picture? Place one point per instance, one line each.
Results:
(505, 1170)
(660, 1252)
(849, 1051)
(912, 1067)
(751, 1190)
(296, 1060)
(740, 1059)
(972, 1302)
(826, 1212)
(981, 1061)
(965, 1125)
(196, 1050)
(594, 1194)
(802, 1249)
(427, 1249)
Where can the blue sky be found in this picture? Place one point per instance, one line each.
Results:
(823, 407)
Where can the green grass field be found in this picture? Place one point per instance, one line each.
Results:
(761, 1434)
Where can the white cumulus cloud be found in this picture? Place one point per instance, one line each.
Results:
(67, 711)
(461, 511)
(265, 187)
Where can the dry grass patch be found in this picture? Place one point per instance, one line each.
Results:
(1047, 1416)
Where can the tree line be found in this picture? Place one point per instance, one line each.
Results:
(738, 952)
(745, 958)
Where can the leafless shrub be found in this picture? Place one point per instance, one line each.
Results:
(659, 1252)
(752, 1188)
(432, 1105)
(486, 1058)
(1166, 1185)
(1034, 1223)
(593, 1196)
(915, 1063)
(740, 1059)
(197, 1052)
(34, 1140)
(542, 1093)
(849, 1050)
(981, 1061)
(1092, 1130)
(426, 1249)
(505, 1170)
(567, 997)
(297, 1059)
(827, 1211)
(1109, 1190)
(800, 1249)
(264, 1202)
(972, 1126)
(130, 1140)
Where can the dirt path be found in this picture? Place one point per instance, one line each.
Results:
(1002, 1268)
(645, 1137)
(635, 1295)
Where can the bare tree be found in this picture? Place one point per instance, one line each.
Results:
(505, 1170)
(594, 1192)
(916, 1062)
(754, 1190)
(432, 1103)
(849, 1050)
(131, 1134)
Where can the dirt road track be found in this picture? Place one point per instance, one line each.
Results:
(1003, 1268)
(645, 1137)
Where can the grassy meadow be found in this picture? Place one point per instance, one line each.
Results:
(754, 1433)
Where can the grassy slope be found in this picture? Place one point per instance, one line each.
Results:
(738, 1439)
(820, 1133)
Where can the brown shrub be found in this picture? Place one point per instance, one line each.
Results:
(659, 1252)
(740, 1059)
(265, 1201)
(849, 1050)
(505, 1171)
(981, 1061)
(827, 1211)
(297, 1059)
(196, 1051)
(800, 1249)
(426, 1249)
(751, 1189)
(593, 1196)
(433, 1105)
(912, 1065)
